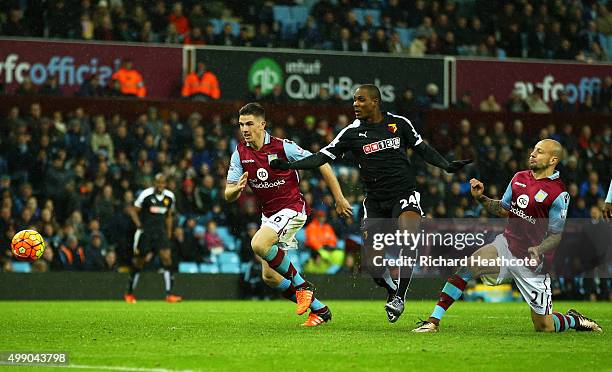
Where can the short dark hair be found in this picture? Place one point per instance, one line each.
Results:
(372, 90)
(253, 108)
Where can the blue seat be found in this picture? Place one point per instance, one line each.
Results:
(230, 268)
(299, 14)
(21, 267)
(218, 25)
(281, 13)
(406, 35)
(228, 258)
(227, 238)
(209, 268)
(188, 268)
(360, 15)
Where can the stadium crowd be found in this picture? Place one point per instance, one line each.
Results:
(559, 29)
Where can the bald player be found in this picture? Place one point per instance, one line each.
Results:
(535, 203)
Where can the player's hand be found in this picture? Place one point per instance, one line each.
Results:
(534, 254)
(281, 164)
(456, 165)
(476, 188)
(242, 181)
(607, 212)
(343, 208)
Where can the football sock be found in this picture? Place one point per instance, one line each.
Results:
(288, 291)
(563, 322)
(405, 275)
(452, 291)
(168, 281)
(280, 262)
(133, 281)
(386, 282)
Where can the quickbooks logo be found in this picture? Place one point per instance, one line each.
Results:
(266, 73)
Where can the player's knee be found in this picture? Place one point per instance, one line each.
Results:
(268, 278)
(259, 247)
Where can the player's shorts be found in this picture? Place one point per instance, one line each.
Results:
(392, 207)
(147, 241)
(535, 288)
(286, 223)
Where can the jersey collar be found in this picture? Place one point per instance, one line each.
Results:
(554, 176)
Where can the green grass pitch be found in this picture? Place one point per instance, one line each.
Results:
(235, 335)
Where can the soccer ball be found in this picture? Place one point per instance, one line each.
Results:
(27, 245)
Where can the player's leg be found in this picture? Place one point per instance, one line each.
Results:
(165, 256)
(407, 210)
(264, 244)
(135, 267)
(456, 284)
(283, 285)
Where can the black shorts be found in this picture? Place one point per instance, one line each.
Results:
(391, 208)
(150, 241)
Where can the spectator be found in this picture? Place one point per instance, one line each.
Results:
(465, 103)
(14, 25)
(212, 240)
(418, 47)
(72, 255)
(319, 233)
(201, 84)
(194, 37)
(515, 103)
(94, 257)
(130, 80)
(101, 141)
(51, 87)
(536, 103)
(178, 19)
(489, 104)
(26, 88)
(226, 37)
(562, 104)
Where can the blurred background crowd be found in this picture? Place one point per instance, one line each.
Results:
(559, 29)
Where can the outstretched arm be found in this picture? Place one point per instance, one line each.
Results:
(309, 162)
(432, 156)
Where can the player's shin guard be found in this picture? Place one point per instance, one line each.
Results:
(452, 291)
(288, 291)
(563, 322)
(133, 281)
(280, 262)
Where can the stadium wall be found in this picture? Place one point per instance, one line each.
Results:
(110, 286)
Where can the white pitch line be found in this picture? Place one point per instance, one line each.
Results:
(111, 368)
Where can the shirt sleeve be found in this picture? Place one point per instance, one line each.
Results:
(558, 213)
(294, 152)
(235, 170)
(141, 197)
(609, 197)
(507, 198)
(338, 146)
(411, 136)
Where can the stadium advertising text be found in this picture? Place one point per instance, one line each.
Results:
(501, 78)
(73, 63)
(302, 76)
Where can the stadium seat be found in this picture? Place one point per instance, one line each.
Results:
(360, 15)
(188, 268)
(228, 257)
(207, 268)
(281, 13)
(299, 14)
(406, 35)
(219, 23)
(229, 241)
(22, 267)
(230, 268)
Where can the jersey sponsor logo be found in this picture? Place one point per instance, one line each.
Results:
(267, 185)
(523, 201)
(248, 161)
(540, 196)
(166, 201)
(520, 213)
(157, 210)
(520, 184)
(389, 143)
(392, 127)
(262, 174)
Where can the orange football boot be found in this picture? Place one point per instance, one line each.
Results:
(129, 298)
(173, 298)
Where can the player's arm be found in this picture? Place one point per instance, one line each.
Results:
(556, 222)
(334, 149)
(236, 179)
(134, 212)
(343, 207)
(433, 157)
(495, 207)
